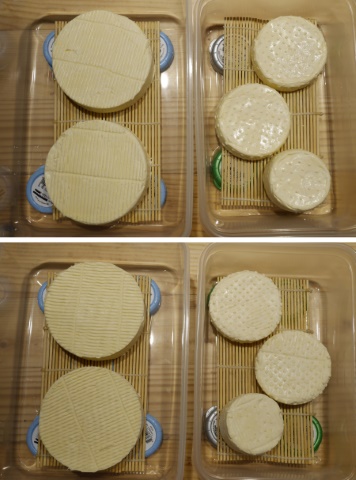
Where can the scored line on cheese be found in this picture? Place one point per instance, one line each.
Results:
(236, 376)
(132, 365)
(143, 119)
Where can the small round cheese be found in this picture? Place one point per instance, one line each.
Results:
(95, 310)
(251, 423)
(245, 306)
(252, 121)
(103, 61)
(96, 172)
(90, 419)
(296, 180)
(293, 367)
(289, 53)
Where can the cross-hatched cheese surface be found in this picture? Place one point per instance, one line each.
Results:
(251, 423)
(95, 310)
(296, 180)
(293, 367)
(103, 61)
(96, 172)
(245, 306)
(90, 419)
(289, 53)
(252, 121)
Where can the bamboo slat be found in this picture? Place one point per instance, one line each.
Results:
(143, 119)
(242, 185)
(236, 376)
(133, 365)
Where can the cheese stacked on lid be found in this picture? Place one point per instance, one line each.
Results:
(245, 306)
(90, 419)
(103, 61)
(251, 423)
(289, 53)
(96, 172)
(252, 121)
(95, 310)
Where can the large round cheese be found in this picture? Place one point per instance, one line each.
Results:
(252, 121)
(90, 419)
(103, 61)
(95, 310)
(251, 423)
(245, 306)
(96, 172)
(296, 180)
(293, 367)
(289, 53)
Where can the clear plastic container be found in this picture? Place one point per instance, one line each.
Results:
(23, 269)
(330, 269)
(27, 116)
(337, 124)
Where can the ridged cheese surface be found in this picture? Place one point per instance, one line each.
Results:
(94, 310)
(103, 61)
(296, 180)
(252, 121)
(251, 423)
(245, 306)
(289, 53)
(293, 367)
(90, 419)
(96, 172)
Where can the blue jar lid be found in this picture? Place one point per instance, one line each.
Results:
(163, 193)
(36, 192)
(216, 50)
(42, 295)
(166, 52)
(211, 426)
(155, 301)
(154, 435)
(48, 48)
(32, 436)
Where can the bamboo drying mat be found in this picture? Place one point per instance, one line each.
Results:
(236, 376)
(143, 119)
(242, 185)
(133, 365)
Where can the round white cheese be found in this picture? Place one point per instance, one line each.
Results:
(245, 306)
(96, 172)
(103, 61)
(95, 310)
(251, 423)
(252, 121)
(293, 367)
(289, 53)
(296, 180)
(90, 419)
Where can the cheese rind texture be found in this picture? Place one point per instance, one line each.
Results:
(251, 423)
(293, 367)
(289, 53)
(96, 172)
(296, 180)
(90, 419)
(245, 306)
(252, 121)
(103, 61)
(95, 310)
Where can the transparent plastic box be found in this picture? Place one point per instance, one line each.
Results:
(23, 269)
(27, 116)
(330, 269)
(336, 101)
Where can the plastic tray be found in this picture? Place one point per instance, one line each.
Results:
(330, 270)
(27, 116)
(22, 273)
(336, 99)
